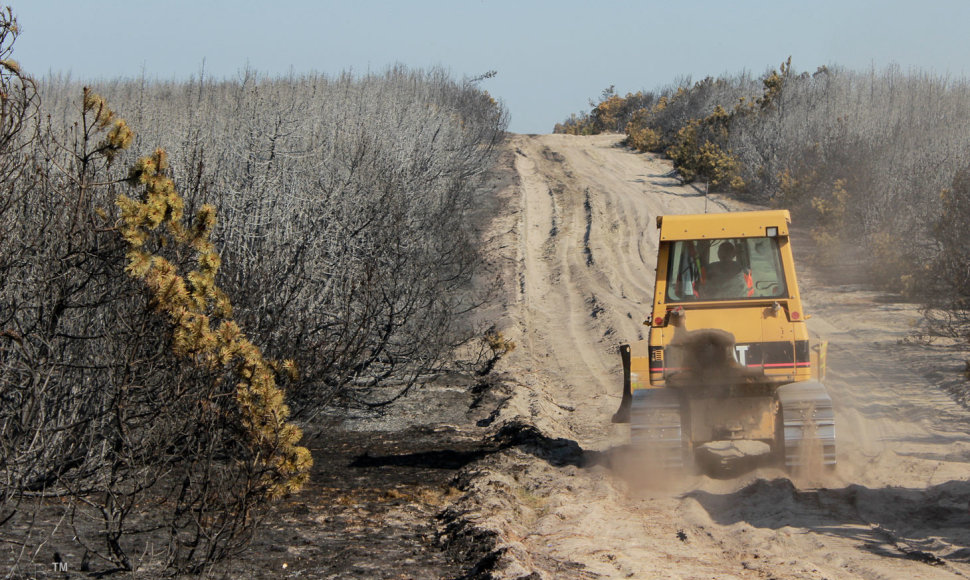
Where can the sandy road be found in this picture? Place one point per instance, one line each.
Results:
(583, 233)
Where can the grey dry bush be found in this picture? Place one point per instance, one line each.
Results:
(948, 305)
(344, 205)
(346, 245)
(113, 448)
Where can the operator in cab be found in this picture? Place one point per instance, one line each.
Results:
(724, 278)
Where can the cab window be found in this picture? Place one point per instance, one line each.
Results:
(725, 269)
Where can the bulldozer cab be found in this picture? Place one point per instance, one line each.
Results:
(732, 273)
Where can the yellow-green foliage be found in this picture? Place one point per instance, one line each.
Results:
(494, 347)
(897, 269)
(606, 115)
(643, 138)
(774, 84)
(612, 114)
(795, 186)
(200, 313)
(498, 343)
(575, 125)
(640, 135)
(96, 109)
(829, 227)
(681, 152)
(697, 154)
(831, 209)
(828, 248)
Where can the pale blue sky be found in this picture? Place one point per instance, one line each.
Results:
(551, 56)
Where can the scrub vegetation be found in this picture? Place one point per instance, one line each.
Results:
(876, 161)
(188, 268)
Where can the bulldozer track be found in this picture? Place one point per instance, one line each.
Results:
(656, 433)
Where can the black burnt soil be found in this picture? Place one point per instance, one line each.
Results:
(378, 485)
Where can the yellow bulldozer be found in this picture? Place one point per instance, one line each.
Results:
(729, 376)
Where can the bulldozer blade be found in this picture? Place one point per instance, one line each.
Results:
(622, 415)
